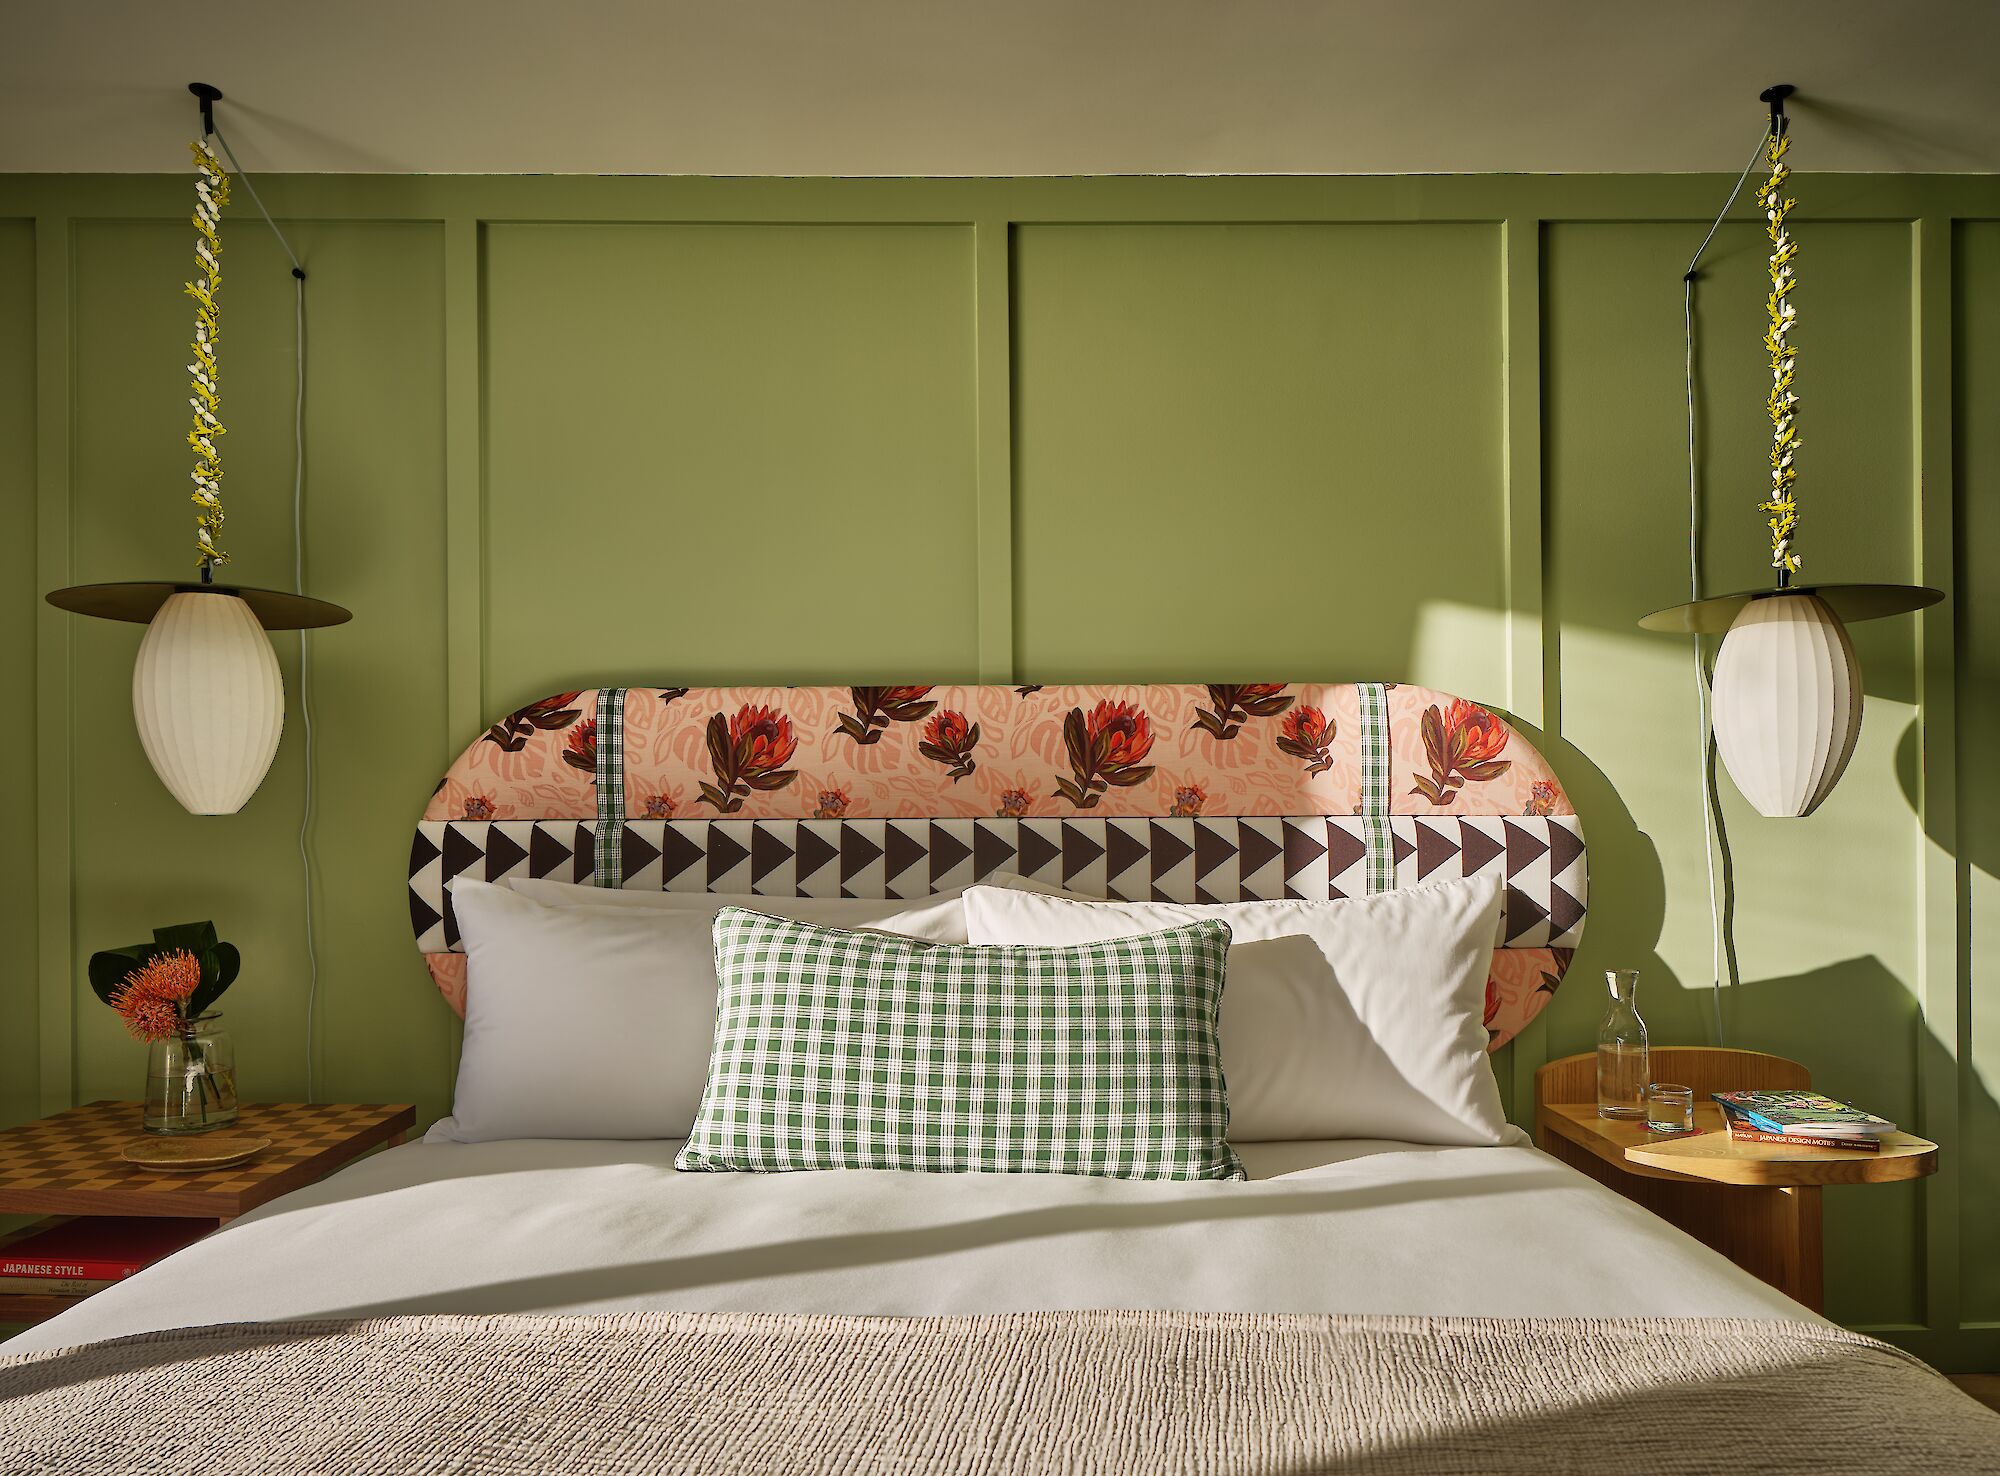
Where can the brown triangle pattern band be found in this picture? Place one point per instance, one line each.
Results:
(1166, 860)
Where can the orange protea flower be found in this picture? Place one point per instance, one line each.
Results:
(146, 1016)
(763, 739)
(170, 976)
(151, 996)
(479, 807)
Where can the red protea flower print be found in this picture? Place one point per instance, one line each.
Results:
(550, 715)
(1234, 706)
(479, 807)
(748, 753)
(763, 738)
(1014, 804)
(1462, 743)
(949, 740)
(877, 707)
(1542, 798)
(1481, 735)
(1307, 733)
(1106, 748)
(1188, 800)
(580, 747)
(833, 803)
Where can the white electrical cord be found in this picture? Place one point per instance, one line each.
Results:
(1710, 821)
(298, 587)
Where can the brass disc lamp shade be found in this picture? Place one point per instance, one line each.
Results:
(207, 697)
(1786, 686)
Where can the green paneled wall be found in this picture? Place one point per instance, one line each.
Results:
(568, 430)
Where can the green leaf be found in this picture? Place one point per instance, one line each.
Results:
(218, 971)
(1271, 706)
(109, 968)
(196, 937)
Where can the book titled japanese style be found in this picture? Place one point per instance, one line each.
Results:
(96, 1248)
(1797, 1115)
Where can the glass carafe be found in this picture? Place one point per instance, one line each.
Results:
(1623, 1065)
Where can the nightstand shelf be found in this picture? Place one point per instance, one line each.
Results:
(1756, 1203)
(69, 1165)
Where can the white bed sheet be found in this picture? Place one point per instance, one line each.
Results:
(542, 1226)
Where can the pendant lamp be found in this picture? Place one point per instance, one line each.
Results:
(1786, 687)
(206, 694)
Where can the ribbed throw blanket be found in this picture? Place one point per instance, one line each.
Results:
(1119, 1393)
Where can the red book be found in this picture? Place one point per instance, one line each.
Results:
(1799, 1140)
(99, 1247)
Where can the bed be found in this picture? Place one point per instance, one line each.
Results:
(1353, 1304)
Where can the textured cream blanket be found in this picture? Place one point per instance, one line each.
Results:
(1122, 1393)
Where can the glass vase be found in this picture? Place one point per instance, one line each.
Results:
(191, 1079)
(1624, 1065)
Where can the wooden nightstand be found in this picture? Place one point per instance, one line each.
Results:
(1757, 1203)
(69, 1165)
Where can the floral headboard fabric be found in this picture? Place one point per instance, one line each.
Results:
(1173, 793)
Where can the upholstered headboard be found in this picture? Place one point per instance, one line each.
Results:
(1173, 793)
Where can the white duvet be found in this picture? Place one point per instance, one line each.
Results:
(541, 1226)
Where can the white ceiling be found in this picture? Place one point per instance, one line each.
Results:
(988, 87)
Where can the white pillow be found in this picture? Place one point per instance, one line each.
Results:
(597, 1022)
(1356, 1018)
(937, 917)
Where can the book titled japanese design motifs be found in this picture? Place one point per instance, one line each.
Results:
(1801, 1115)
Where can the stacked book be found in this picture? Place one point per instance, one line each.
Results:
(1801, 1119)
(82, 1256)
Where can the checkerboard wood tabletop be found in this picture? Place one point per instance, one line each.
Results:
(70, 1164)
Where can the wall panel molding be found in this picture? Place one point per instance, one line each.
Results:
(995, 222)
(54, 396)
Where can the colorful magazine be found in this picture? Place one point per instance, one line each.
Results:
(1802, 1114)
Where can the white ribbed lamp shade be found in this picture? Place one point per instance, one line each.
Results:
(1787, 703)
(208, 700)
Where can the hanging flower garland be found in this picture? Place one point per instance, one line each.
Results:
(211, 188)
(1783, 504)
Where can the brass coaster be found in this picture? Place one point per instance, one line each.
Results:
(194, 1155)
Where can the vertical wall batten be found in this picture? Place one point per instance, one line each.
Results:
(55, 404)
(464, 502)
(1530, 640)
(465, 559)
(1943, 968)
(993, 418)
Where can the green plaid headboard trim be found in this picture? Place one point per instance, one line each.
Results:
(1375, 785)
(610, 787)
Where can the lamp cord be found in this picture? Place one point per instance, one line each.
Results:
(299, 587)
(1713, 835)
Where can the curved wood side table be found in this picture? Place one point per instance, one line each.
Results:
(1756, 1203)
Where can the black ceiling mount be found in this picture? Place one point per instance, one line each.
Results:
(209, 96)
(1775, 95)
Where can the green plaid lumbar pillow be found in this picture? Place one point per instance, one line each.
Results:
(838, 1049)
